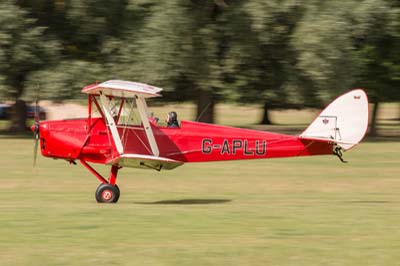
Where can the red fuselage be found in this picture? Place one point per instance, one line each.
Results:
(91, 141)
(126, 135)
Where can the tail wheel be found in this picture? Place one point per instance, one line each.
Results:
(107, 193)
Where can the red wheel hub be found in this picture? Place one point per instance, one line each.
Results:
(107, 194)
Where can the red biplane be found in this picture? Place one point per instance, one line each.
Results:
(121, 132)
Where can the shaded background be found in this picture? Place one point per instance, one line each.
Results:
(278, 54)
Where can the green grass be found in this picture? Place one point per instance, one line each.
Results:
(297, 211)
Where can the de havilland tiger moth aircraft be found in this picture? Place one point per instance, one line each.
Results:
(124, 133)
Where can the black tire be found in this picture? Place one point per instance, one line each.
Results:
(107, 193)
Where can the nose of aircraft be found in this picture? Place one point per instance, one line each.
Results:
(35, 129)
(41, 128)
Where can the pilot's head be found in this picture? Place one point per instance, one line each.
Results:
(172, 117)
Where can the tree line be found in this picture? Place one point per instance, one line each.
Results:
(277, 53)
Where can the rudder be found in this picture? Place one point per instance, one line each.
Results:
(344, 121)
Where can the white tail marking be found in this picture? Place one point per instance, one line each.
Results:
(344, 121)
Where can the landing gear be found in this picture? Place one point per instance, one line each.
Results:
(107, 193)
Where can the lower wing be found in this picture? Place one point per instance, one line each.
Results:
(145, 162)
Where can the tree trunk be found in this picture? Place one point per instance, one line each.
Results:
(18, 117)
(399, 113)
(205, 106)
(373, 128)
(265, 118)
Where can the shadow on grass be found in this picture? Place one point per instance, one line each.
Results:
(187, 202)
(368, 201)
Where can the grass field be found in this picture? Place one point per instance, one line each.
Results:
(298, 211)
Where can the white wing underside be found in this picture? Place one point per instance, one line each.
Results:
(145, 162)
(122, 88)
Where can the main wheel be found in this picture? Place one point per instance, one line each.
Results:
(107, 193)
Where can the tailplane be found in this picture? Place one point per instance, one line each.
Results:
(344, 121)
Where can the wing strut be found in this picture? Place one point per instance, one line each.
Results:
(141, 104)
(111, 123)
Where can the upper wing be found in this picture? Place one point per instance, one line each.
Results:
(122, 88)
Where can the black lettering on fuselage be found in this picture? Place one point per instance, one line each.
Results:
(236, 144)
(263, 147)
(225, 148)
(234, 147)
(206, 146)
(246, 149)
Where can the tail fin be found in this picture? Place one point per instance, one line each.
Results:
(344, 121)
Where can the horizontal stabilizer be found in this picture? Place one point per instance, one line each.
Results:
(145, 162)
(344, 121)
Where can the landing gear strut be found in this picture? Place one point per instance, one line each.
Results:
(107, 191)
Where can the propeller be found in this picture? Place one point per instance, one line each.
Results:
(35, 126)
(35, 129)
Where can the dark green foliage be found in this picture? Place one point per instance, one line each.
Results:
(24, 49)
(278, 53)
